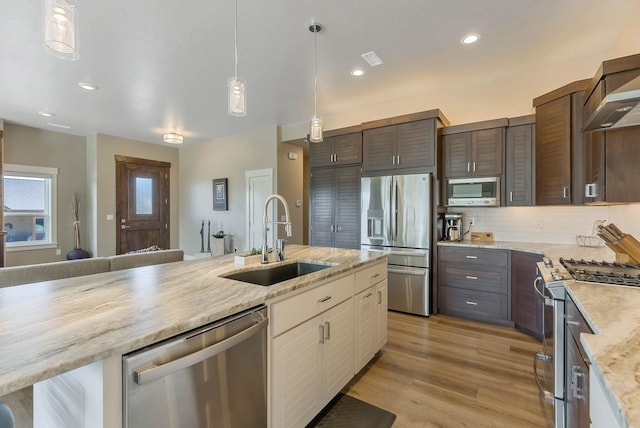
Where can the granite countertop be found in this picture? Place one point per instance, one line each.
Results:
(614, 351)
(51, 327)
(553, 251)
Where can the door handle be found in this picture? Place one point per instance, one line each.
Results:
(321, 332)
(548, 396)
(327, 330)
(124, 226)
(154, 372)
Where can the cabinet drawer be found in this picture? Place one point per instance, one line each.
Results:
(370, 276)
(291, 312)
(493, 258)
(478, 304)
(459, 276)
(575, 321)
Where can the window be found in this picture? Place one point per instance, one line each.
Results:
(29, 206)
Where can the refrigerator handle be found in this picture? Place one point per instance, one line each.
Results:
(394, 209)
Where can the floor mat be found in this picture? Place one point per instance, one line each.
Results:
(346, 411)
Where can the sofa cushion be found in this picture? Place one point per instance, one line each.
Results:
(17, 275)
(127, 261)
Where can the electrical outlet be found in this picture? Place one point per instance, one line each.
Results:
(539, 223)
(472, 221)
(58, 252)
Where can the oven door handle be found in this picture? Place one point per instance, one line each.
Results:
(547, 395)
(414, 272)
(152, 372)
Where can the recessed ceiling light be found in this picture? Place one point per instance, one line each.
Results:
(45, 113)
(470, 38)
(87, 86)
(357, 72)
(372, 58)
(58, 125)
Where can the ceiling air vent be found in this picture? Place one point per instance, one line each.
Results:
(372, 58)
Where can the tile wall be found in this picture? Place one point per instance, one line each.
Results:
(550, 224)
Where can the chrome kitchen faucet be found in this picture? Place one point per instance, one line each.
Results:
(287, 228)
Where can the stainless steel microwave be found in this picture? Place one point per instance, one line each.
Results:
(473, 191)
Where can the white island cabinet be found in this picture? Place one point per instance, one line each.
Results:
(319, 337)
(371, 313)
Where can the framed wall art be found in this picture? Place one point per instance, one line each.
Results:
(220, 192)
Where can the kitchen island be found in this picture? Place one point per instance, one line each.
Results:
(52, 327)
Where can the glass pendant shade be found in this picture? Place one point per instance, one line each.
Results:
(315, 134)
(237, 96)
(60, 28)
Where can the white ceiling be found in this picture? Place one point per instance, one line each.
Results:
(162, 65)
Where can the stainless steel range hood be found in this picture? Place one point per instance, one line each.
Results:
(618, 109)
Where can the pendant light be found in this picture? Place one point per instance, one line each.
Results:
(315, 133)
(61, 29)
(237, 86)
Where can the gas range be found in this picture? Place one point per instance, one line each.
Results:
(603, 272)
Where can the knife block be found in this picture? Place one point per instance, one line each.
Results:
(627, 250)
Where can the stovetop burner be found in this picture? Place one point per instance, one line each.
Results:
(604, 272)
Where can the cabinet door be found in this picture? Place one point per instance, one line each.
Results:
(297, 366)
(415, 144)
(338, 349)
(346, 204)
(519, 166)
(487, 151)
(594, 168)
(622, 157)
(553, 152)
(321, 154)
(457, 154)
(378, 148)
(382, 300)
(366, 327)
(321, 207)
(577, 386)
(526, 306)
(347, 149)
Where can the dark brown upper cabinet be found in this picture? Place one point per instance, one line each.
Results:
(520, 161)
(404, 142)
(559, 145)
(474, 149)
(610, 155)
(344, 148)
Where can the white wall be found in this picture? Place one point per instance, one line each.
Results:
(226, 157)
(289, 174)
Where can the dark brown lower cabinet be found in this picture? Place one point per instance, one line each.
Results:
(576, 369)
(526, 306)
(474, 283)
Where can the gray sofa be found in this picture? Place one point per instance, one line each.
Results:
(18, 275)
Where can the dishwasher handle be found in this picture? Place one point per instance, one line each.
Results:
(153, 372)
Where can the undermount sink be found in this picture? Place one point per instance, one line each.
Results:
(273, 275)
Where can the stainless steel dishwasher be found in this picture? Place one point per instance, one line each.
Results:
(213, 376)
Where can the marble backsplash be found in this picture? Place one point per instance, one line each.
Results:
(551, 224)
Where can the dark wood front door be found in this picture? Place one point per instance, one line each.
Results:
(142, 204)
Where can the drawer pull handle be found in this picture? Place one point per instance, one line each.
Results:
(368, 295)
(375, 275)
(471, 257)
(573, 323)
(324, 299)
(471, 277)
(469, 302)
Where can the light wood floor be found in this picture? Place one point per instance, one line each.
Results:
(448, 372)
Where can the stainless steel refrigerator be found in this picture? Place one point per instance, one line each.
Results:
(396, 218)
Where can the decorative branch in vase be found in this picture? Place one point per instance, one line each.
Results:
(77, 252)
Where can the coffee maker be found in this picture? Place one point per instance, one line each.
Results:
(453, 226)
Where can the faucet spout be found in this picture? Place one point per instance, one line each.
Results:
(287, 226)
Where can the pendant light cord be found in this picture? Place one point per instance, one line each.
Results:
(235, 37)
(316, 28)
